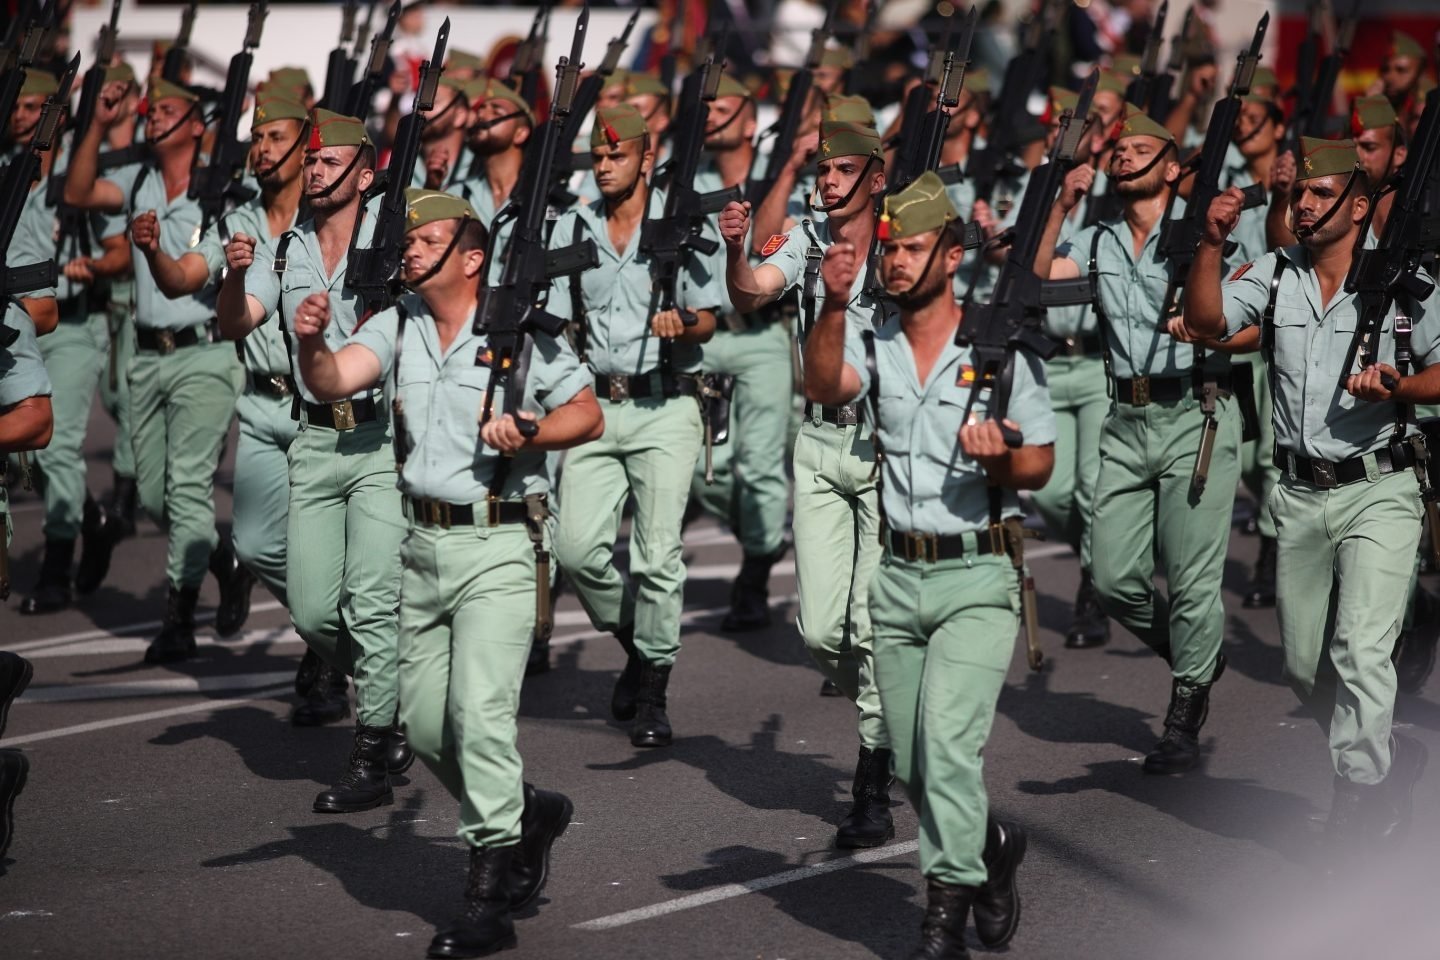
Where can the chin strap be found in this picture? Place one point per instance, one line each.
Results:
(1301, 233)
(438, 264)
(844, 201)
(1128, 177)
(338, 180)
(303, 138)
(184, 118)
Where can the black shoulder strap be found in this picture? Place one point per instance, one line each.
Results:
(140, 178)
(397, 418)
(814, 256)
(1102, 320)
(577, 300)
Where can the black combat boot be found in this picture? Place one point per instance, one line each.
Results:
(325, 701)
(14, 768)
(1389, 819)
(1179, 747)
(546, 816)
(176, 639)
(651, 727)
(398, 755)
(750, 594)
(1415, 650)
(1345, 830)
(52, 589)
(366, 784)
(15, 674)
(537, 661)
(942, 934)
(868, 824)
(627, 685)
(306, 672)
(120, 511)
(1262, 584)
(486, 926)
(235, 585)
(97, 543)
(997, 902)
(1089, 627)
(829, 688)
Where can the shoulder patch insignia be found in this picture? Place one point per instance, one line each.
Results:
(967, 374)
(1241, 270)
(774, 244)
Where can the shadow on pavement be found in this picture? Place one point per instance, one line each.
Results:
(1053, 716)
(271, 747)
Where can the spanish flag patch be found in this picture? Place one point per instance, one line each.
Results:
(774, 244)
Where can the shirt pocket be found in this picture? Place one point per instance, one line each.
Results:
(942, 422)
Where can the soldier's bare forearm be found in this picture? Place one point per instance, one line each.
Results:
(1204, 306)
(571, 424)
(825, 380)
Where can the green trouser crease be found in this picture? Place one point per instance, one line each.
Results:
(75, 353)
(648, 450)
(343, 536)
(837, 548)
(1257, 458)
(1067, 501)
(1146, 516)
(751, 490)
(1342, 574)
(180, 410)
(467, 613)
(262, 487)
(944, 636)
(115, 397)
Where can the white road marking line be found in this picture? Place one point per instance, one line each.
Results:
(126, 630)
(206, 706)
(731, 890)
(64, 693)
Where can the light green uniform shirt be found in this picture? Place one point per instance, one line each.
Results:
(977, 275)
(180, 221)
(1249, 233)
(618, 299)
(442, 394)
(22, 371)
(264, 348)
(1314, 416)
(1063, 322)
(860, 314)
(37, 237)
(304, 275)
(930, 485)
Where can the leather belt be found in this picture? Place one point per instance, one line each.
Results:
(1328, 474)
(617, 388)
(278, 385)
(1143, 391)
(1084, 345)
(342, 414)
(438, 513)
(165, 341)
(846, 416)
(930, 547)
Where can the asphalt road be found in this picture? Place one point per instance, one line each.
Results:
(168, 810)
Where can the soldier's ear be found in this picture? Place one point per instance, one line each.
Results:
(1361, 207)
(367, 177)
(474, 263)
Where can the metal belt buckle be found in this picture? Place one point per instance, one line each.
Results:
(281, 387)
(1140, 392)
(492, 511)
(997, 538)
(437, 512)
(1324, 473)
(165, 341)
(342, 414)
(619, 389)
(924, 547)
(1074, 346)
(847, 416)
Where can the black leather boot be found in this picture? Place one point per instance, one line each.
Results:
(537, 661)
(1394, 803)
(325, 701)
(1345, 830)
(14, 768)
(1415, 653)
(486, 926)
(97, 543)
(750, 594)
(546, 816)
(235, 585)
(306, 673)
(651, 727)
(942, 934)
(869, 823)
(398, 755)
(997, 902)
(52, 589)
(366, 784)
(176, 639)
(1262, 584)
(627, 685)
(1089, 627)
(828, 688)
(1179, 747)
(120, 511)
(15, 674)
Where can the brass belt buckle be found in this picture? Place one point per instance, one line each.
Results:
(342, 414)
(492, 511)
(1140, 392)
(1324, 473)
(437, 512)
(922, 547)
(619, 389)
(281, 387)
(997, 538)
(846, 416)
(165, 341)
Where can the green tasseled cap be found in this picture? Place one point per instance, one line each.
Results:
(481, 90)
(841, 139)
(977, 80)
(730, 87)
(1113, 82)
(39, 83)
(276, 106)
(1264, 77)
(1326, 158)
(120, 73)
(428, 206)
(296, 79)
(638, 84)
(919, 208)
(162, 89)
(1127, 65)
(1372, 113)
(1134, 122)
(461, 60)
(848, 109)
(1404, 45)
(842, 58)
(614, 125)
(333, 129)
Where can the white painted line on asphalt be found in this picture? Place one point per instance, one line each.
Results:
(731, 890)
(128, 629)
(65, 693)
(106, 644)
(204, 707)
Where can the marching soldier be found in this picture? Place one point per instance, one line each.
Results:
(946, 600)
(183, 382)
(1347, 507)
(443, 136)
(644, 362)
(345, 527)
(1147, 509)
(477, 501)
(836, 520)
(1402, 76)
(503, 124)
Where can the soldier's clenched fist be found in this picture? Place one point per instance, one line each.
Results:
(1224, 214)
(312, 315)
(839, 270)
(735, 223)
(240, 251)
(145, 232)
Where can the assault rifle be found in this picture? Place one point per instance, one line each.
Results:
(19, 58)
(1142, 88)
(219, 187)
(358, 103)
(340, 69)
(1161, 99)
(1011, 321)
(791, 113)
(95, 76)
(585, 97)
(922, 142)
(996, 160)
(173, 68)
(373, 269)
(1312, 107)
(513, 309)
(524, 72)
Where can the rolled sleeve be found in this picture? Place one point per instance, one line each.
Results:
(1030, 401)
(1246, 292)
(556, 376)
(261, 280)
(378, 335)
